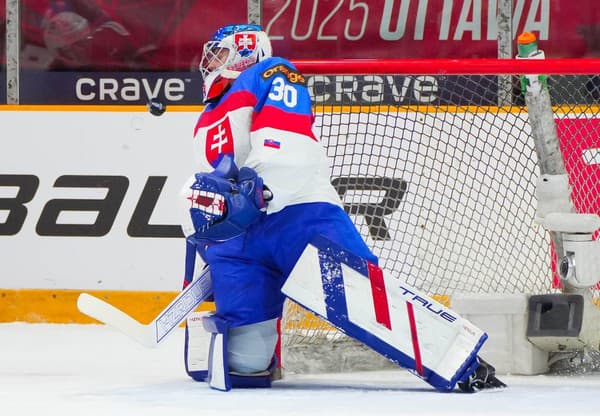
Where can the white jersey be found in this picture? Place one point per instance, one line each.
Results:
(265, 120)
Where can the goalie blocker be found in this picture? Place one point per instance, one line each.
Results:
(390, 317)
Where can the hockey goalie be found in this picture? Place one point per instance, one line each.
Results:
(264, 217)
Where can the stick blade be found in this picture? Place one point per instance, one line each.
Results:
(108, 314)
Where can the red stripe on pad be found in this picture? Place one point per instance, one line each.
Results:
(415, 339)
(382, 310)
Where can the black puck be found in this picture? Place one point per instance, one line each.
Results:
(156, 107)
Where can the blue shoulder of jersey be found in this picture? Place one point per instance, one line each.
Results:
(257, 79)
(272, 66)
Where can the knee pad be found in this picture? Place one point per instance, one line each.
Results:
(251, 347)
(209, 352)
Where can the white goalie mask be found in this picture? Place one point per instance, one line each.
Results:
(231, 50)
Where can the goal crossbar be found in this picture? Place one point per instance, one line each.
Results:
(450, 66)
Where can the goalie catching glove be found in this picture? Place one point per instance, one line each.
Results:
(225, 202)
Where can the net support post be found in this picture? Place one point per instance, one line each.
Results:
(553, 189)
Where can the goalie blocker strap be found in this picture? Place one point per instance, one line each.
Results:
(386, 314)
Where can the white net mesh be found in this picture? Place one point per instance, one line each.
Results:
(442, 187)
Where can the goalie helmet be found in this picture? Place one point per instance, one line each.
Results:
(231, 50)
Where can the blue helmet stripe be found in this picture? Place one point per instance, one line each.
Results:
(229, 30)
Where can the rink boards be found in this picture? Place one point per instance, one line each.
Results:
(88, 197)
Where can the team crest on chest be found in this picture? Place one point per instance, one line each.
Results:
(219, 141)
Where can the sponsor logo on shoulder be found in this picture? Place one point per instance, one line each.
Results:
(292, 75)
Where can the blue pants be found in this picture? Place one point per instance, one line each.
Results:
(248, 271)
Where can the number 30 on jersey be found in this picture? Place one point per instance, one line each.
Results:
(286, 93)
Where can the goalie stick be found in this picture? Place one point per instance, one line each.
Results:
(199, 289)
(150, 335)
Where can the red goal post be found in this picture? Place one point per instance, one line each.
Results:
(450, 66)
(441, 181)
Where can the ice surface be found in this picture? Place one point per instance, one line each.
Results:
(88, 370)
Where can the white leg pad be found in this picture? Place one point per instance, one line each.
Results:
(385, 314)
(197, 344)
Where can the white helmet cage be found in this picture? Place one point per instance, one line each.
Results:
(231, 50)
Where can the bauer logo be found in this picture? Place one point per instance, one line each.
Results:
(110, 88)
(50, 221)
(18, 191)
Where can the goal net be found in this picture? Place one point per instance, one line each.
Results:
(436, 164)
